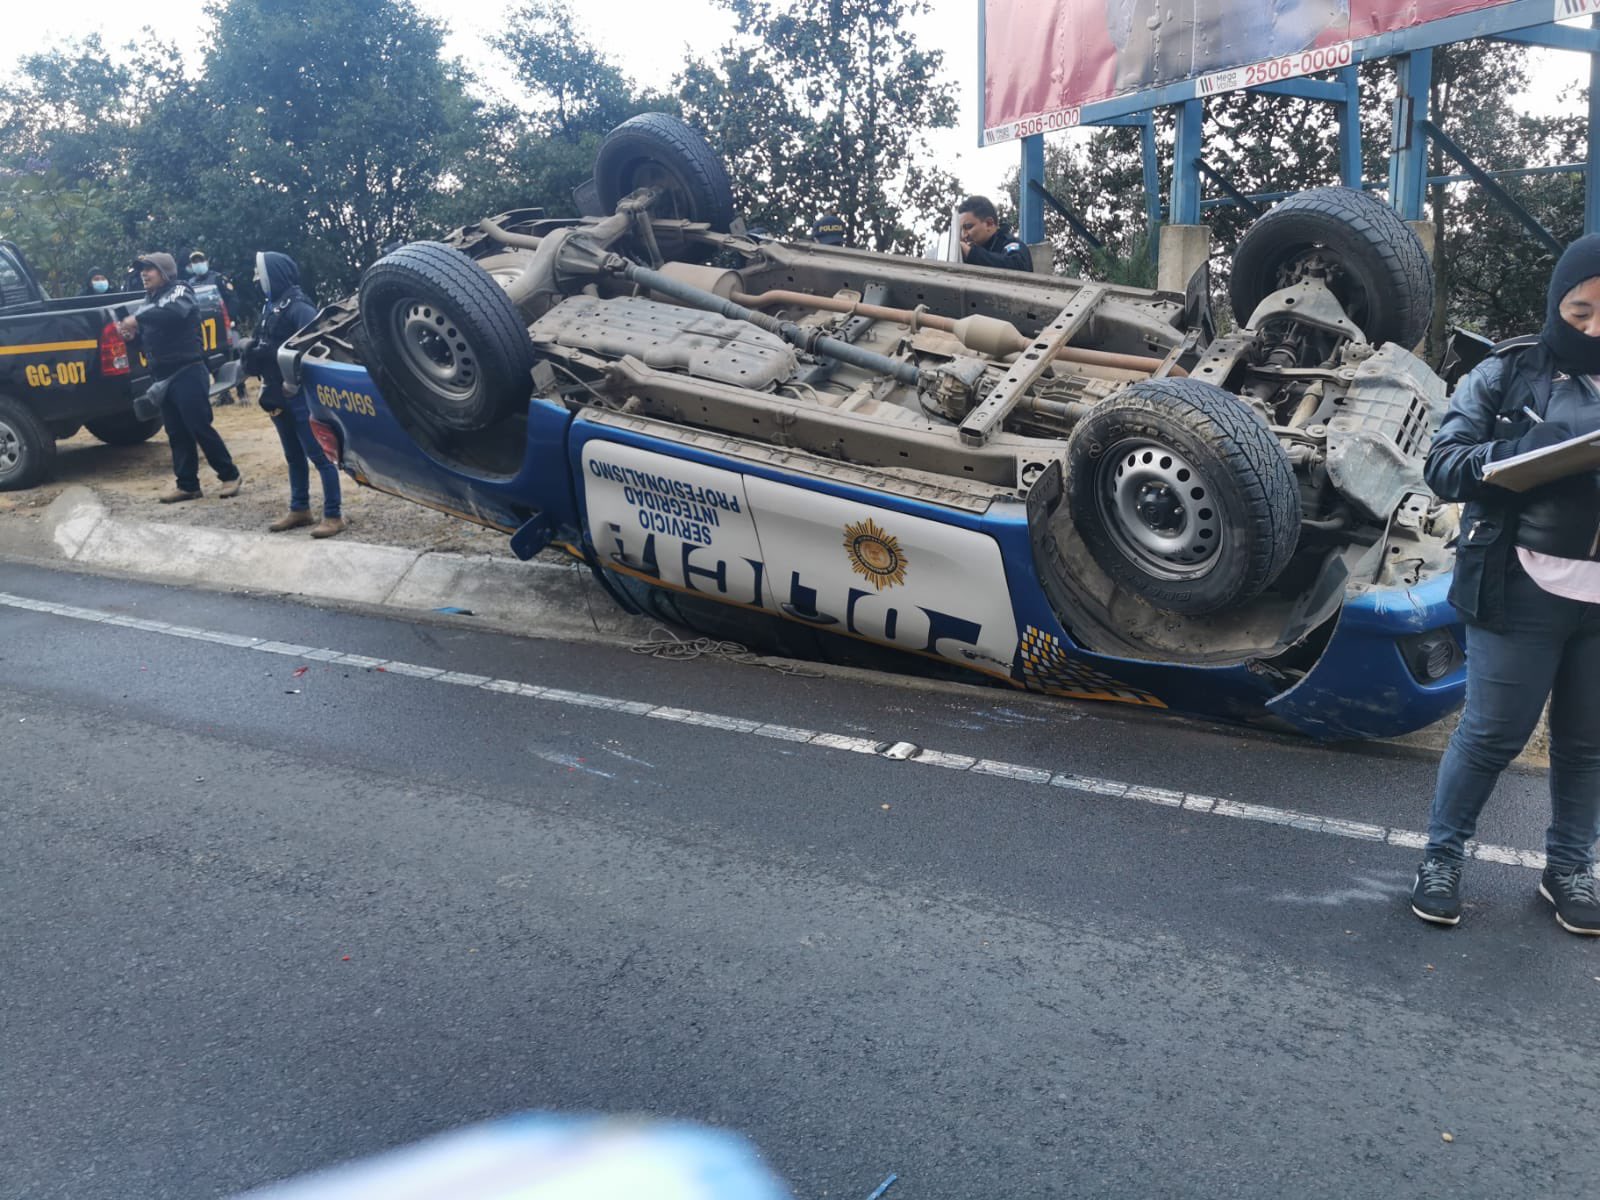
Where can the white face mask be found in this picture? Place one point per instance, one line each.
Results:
(100, 285)
(198, 268)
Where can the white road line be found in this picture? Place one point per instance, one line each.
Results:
(889, 749)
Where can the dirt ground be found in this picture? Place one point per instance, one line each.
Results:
(129, 478)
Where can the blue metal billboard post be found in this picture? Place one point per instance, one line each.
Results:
(1030, 203)
(1408, 142)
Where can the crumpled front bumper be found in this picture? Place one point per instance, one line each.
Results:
(1362, 686)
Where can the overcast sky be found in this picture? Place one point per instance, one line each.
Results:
(647, 38)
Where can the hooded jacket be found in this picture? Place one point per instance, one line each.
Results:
(1485, 423)
(88, 283)
(169, 323)
(287, 310)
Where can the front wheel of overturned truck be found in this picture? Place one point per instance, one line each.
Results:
(455, 348)
(1182, 495)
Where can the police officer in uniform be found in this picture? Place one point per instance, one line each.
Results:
(828, 230)
(167, 329)
(985, 242)
(201, 275)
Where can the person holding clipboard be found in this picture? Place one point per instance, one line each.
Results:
(1527, 584)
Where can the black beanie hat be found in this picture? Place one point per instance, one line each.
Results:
(1573, 349)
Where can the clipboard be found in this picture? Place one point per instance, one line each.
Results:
(1521, 472)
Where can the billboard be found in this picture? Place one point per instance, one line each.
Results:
(1043, 60)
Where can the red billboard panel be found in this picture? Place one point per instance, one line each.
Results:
(1045, 59)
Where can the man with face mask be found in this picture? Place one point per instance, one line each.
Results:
(97, 283)
(1527, 584)
(201, 275)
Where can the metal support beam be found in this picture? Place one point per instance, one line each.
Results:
(1305, 89)
(1146, 124)
(1408, 144)
(1557, 37)
(1152, 181)
(1495, 192)
(1185, 206)
(1030, 210)
(1221, 180)
(1591, 191)
(1378, 185)
(1066, 214)
(1350, 128)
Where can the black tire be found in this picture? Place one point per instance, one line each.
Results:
(1376, 265)
(124, 429)
(658, 150)
(1182, 494)
(27, 451)
(454, 346)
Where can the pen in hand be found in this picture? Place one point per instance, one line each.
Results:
(1537, 419)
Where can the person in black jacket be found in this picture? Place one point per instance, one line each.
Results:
(96, 283)
(168, 331)
(287, 310)
(201, 275)
(985, 242)
(1527, 583)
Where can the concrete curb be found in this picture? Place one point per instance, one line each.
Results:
(534, 598)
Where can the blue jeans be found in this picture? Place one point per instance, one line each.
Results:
(301, 451)
(1550, 649)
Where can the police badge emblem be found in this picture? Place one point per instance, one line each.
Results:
(875, 554)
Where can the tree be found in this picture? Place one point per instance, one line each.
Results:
(823, 106)
(344, 124)
(543, 146)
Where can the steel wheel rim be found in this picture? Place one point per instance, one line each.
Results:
(10, 448)
(1160, 510)
(435, 348)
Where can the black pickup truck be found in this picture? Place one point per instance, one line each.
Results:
(64, 366)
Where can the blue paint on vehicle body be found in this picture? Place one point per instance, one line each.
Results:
(1360, 686)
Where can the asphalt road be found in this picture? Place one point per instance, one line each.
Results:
(255, 922)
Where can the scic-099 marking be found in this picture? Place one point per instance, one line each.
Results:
(351, 402)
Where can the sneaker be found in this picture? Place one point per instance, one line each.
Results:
(328, 527)
(1576, 897)
(230, 487)
(293, 520)
(176, 495)
(1436, 895)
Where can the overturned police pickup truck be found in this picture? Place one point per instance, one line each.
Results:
(1077, 488)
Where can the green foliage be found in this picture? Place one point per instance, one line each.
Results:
(52, 219)
(341, 122)
(846, 97)
(537, 151)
